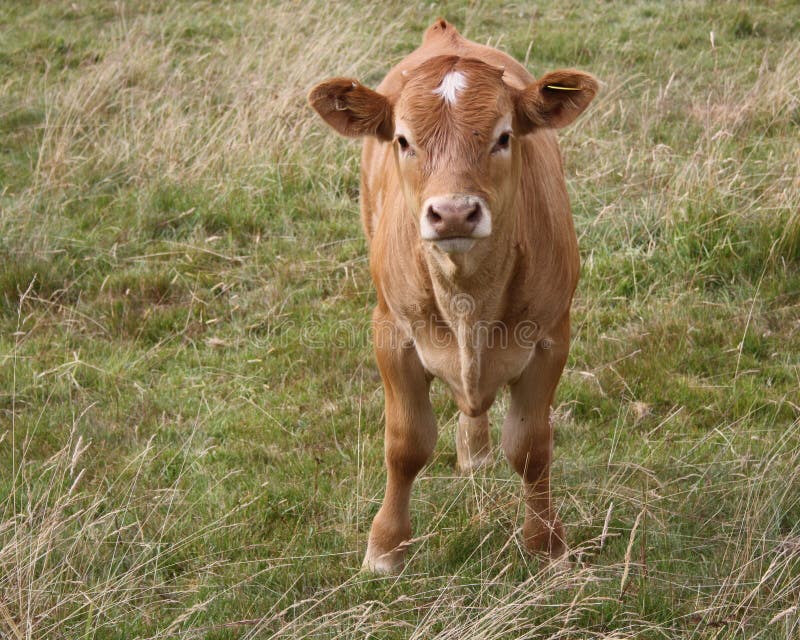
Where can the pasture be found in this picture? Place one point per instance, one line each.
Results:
(190, 414)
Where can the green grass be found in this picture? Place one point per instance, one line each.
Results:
(190, 414)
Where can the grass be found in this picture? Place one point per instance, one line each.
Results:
(190, 415)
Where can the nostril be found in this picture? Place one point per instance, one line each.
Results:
(475, 214)
(433, 216)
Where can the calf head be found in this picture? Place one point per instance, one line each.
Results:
(455, 127)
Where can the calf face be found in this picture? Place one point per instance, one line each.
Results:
(454, 127)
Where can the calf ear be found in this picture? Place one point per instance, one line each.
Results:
(353, 109)
(555, 100)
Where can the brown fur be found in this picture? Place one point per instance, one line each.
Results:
(436, 312)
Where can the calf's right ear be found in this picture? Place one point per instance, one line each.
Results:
(353, 109)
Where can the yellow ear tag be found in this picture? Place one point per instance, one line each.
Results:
(559, 88)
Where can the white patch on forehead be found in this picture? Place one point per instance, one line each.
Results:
(452, 83)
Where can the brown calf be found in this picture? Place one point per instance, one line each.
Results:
(474, 258)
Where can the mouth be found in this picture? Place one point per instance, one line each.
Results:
(454, 245)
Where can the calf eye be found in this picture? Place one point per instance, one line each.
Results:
(405, 147)
(502, 142)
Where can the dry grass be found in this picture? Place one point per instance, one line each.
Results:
(151, 109)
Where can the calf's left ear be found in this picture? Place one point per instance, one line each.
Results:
(353, 109)
(554, 100)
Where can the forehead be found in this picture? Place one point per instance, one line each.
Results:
(450, 99)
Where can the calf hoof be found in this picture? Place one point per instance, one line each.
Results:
(384, 563)
(545, 538)
(471, 465)
(388, 542)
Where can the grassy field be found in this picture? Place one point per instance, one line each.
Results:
(190, 414)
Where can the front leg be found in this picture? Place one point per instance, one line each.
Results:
(528, 440)
(409, 442)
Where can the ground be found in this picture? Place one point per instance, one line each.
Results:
(190, 413)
